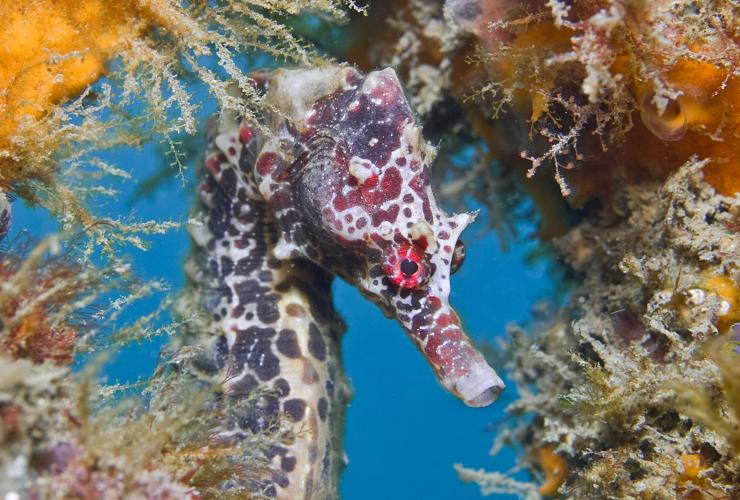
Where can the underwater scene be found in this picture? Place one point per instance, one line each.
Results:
(324, 249)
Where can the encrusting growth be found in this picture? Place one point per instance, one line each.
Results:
(633, 384)
(338, 186)
(74, 76)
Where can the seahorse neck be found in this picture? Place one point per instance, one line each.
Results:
(278, 324)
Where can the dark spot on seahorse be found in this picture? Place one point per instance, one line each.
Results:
(265, 364)
(381, 121)
(246, 265)
(323, 407)
(246, 161)
(248, 291)
(269, 406)
(242, 386)
(237, 311)
(265, 276)
(261, 416)
(228, 182)
(269, 489)
(329, 385)
(289, 217)
(273, 451)
(280, 478)
(295, 408)
(287, 463)
(376, 271)
(267, 309)
(253, 347)
(316, 344)
(287, 343)
(388, 215)
(211, 245)
(325, 462)
(221, 351)
(402, 306)
(389, 289)
(282, 386)
(241, 349)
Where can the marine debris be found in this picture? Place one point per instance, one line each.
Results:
(339, 185)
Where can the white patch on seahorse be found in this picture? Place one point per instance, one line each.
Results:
(361, 169)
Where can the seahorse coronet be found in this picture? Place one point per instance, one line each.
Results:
(340, 186)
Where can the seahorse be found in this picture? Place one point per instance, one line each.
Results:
(333, 181)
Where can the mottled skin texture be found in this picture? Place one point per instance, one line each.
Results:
(340, 186)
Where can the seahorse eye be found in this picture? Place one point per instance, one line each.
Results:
(458, 256)
(406, 267)
(409, 268)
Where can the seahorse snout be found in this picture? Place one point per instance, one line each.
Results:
(480, 386)
(458, 364)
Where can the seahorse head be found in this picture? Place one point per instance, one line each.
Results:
(352, 192)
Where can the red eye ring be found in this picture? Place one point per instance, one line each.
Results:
(406, 267)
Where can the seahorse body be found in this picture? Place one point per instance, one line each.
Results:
(341, 187)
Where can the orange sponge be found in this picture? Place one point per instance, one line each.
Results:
(51, 50)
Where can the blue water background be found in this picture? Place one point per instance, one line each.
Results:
(403, 431)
